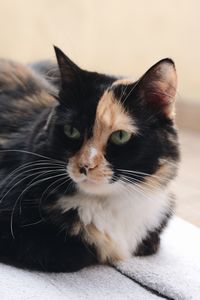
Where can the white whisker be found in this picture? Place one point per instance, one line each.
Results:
(135, 188)
(25, 166)
(52, 185)
(31, 224)
(43, 167)
(39, 172)
(31, 153)
(141, 173)
(147, 184)
(25, 190)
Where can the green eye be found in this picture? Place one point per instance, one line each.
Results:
(71, 132)
(120, 137)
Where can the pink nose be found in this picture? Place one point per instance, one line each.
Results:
(84, 168)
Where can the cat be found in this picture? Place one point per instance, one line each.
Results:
(86, 162)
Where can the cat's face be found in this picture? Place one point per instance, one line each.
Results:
(90, 167)
(117, 132)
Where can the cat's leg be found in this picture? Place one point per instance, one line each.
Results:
(41, 251)
(149, 245)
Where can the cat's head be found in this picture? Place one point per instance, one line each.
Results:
(116, 131)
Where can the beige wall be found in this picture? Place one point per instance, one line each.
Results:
(123, 37)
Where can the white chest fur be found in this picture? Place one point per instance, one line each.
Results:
(121, 220)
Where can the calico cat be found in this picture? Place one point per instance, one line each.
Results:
(85, 164)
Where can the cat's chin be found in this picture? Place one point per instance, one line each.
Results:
(96, 188)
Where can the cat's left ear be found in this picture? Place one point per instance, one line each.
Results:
(70, 73)
(158, 87)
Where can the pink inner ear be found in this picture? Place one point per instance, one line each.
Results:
(159, 87)
(161, 92)
(161, 97)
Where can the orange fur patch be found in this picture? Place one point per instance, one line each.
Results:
(107, 249)
(160, 178)
(14, 75)
(124, 81)
(3, 141)
(110, 116)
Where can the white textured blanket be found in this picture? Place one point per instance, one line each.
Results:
(173, 273)
(175, 270)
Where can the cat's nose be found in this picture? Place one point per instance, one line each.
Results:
(85, 168)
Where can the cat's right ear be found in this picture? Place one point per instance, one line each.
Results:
(157, 87)
(70, 73)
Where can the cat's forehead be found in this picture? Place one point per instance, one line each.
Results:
(112, 115)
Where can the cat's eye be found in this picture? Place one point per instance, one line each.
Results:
(71, 132)
(120, 137)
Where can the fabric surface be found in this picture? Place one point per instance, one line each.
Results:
(174, 273)
(94, 283)
(175, 270)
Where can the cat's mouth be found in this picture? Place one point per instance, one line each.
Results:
(100, 186)
(88, 182)
(90, 186)
(92, 181)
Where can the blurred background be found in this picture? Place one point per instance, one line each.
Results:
(120, 37)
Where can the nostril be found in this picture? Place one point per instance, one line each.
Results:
(83, 170)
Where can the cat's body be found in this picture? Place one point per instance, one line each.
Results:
(87, 197)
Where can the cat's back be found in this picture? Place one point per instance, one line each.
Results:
(20, 84)
(23, 94)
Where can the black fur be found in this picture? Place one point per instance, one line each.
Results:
(31, 235)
